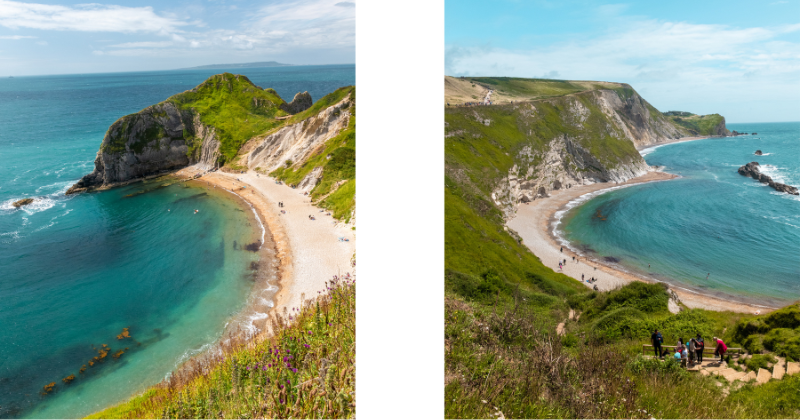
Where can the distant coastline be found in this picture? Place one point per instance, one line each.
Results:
(239, 65)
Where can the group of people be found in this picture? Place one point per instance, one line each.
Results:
(690, 352)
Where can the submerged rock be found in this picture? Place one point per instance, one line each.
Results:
(23, 202)
(751, 170)
(758, 153)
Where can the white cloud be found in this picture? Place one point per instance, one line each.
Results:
(280, 27)
(645, 49)
(85, 17)
(16, 37)
(142, 45)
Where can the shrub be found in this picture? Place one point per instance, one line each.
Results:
(617, 323)
(759, 361)
(788, 317)
(784, 342)
(642, 364)
(753, 344)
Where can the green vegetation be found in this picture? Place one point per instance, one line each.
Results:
(702, 125)
(337, 158)
(233, 105)
(502, 305)
(778, 332)
(305, 370)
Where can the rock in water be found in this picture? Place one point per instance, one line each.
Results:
(300, 103)
(751, 170)
(23, 202)
(758, 153)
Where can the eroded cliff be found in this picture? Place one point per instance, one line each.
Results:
(205, 125)
(517, 152)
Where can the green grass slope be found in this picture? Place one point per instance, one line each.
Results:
(336, 190)
(236, 107)
(306, 370)
(699, 125)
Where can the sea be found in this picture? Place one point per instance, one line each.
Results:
(163, 259)
(711, 230)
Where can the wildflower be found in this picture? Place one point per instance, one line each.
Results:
(294, 370)
(307, 346)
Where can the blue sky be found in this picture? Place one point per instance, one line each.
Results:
(739, 59)
(61, 37)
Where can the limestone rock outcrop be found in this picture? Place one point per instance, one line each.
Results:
(751, 170)
(149, 142)
(758, 153)
(298, 142)
(300, 103)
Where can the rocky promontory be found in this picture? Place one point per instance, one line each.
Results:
(751, 170)
(205, 125)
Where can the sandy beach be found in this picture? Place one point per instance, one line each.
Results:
(307, 252)
(671, 141)
(534, 223)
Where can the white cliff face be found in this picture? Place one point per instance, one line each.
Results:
(298, 142)
(565, 163)
(209, 150)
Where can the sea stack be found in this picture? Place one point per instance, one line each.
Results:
(751, 170)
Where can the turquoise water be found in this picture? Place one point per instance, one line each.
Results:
(711, 220)
(75, 271)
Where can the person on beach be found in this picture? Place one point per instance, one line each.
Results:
(699, 348)
(559, 265)
(562, 249)
(721, 348)
(581, 276)
(657, 339)
(691, 348)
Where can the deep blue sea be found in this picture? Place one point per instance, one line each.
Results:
(75, 271)
(712, 222)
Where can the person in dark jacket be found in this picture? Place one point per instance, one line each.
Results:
(657, 339)
(699, 348)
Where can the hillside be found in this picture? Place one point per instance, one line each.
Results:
(220, 123)
(503, 356)
(700, 125)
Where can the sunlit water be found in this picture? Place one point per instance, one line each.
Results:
(712, 222)
(75, 271)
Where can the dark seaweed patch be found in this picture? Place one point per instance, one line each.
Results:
(611, 259)
(191, 197)
(255, 246)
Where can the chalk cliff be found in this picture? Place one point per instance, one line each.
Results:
(518, 152)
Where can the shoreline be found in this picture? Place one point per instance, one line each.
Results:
(305, 253)
(535, 223)
(673, 141)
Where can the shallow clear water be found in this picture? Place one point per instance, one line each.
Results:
(711, 220)
(74, 271)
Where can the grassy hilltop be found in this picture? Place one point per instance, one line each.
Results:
(502, 305)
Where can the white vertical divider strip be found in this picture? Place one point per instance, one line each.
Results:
(400, 209)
